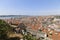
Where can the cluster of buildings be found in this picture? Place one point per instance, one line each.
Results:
(47, 27)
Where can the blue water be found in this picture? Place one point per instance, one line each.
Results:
(5, 17)
(11, 16)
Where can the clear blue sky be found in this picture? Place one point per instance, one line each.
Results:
(29, 7)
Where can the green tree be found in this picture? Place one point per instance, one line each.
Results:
(4, 29)
(29, 37)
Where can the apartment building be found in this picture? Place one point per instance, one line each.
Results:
(53, 32)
